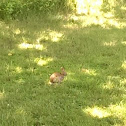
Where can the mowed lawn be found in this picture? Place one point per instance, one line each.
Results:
(92, 51)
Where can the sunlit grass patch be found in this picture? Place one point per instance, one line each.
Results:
(13, 70)
(108, 85)
(105, 20)
(70, 26)
(123, 82)
(31, 46)
(17, 31)
(113, 82)
(91, 72)
(123, 8)
(10, 54)
(124, 42)
(97, 112)
(109, 43)
(124, 65)
(118, 110)
(89, 6)
(18, 69)
(55, 36)
(2, 95)
(52, 35)
(42, 61)
(114, 22)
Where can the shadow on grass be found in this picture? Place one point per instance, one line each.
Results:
(92, 55)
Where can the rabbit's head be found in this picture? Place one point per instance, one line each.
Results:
(63, 72)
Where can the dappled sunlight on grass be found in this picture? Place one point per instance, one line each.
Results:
(97, 112)
(113, 43)
(17, 31)
(18, 69)
(90, 13)
(41, 61)
(118, 110)
(106, 23)
(91, 72)
(124, 65)
(47, 82)
(31, 46)
(123, 82)
(105, 20)
(54, 36)
(124, 42)
(108, 85)
(2, 95)
(113, 82)
(13, 70)
(70, 26)
(123, 8)
(89, 6)
(113, 22)
(10, 54)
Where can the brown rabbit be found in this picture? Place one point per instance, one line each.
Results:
(58, 77)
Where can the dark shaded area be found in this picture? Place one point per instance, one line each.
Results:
(14, 9)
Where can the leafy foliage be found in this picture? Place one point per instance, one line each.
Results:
(114, 6)
(12, 9)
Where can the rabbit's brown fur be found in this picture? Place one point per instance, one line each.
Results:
(58, 77)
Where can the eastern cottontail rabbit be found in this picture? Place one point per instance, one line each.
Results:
(58, 77)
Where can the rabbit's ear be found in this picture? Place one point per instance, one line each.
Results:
(62, 68)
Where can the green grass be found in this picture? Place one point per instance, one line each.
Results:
(94, 56)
